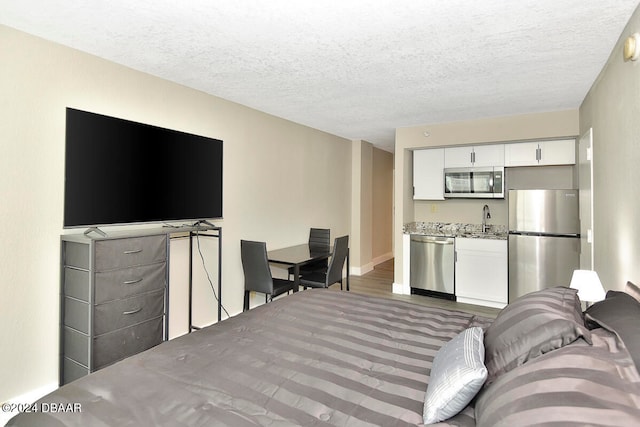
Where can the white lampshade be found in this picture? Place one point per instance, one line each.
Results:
(588, 285)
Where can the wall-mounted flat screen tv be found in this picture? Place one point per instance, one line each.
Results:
(119, 172)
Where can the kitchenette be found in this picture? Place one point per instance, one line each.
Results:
(486, 215)
(459, 261)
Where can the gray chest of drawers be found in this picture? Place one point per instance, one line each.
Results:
(113, 298)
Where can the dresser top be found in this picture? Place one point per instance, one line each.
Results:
(138, 232)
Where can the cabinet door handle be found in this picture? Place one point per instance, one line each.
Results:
(131, 282)
(132, 311)
(133, 251)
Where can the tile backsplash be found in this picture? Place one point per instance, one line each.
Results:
(467, 211)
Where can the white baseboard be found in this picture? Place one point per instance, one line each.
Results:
(28, 397)
(485, 303)
(382, 258)
(398, 288)
(359, 271)
(364, 269)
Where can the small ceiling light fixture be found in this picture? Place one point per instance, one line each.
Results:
(426, 134)
(631, 50)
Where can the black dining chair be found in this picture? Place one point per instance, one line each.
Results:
(318, 279)
(257, 274)
(318, 238)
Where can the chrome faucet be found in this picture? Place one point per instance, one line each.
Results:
(486, 214)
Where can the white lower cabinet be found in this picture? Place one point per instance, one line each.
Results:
(481, 274)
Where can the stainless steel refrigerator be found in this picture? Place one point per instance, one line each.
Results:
(544, 239)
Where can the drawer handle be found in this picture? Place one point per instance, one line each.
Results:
(132, 311)
(131, 282)
(133, 251)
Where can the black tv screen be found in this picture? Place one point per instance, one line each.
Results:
(118, 172)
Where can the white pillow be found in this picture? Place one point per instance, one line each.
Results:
(457, 374)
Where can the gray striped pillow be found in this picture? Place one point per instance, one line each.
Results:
(532, 325)
(457, 374)
(577, 385)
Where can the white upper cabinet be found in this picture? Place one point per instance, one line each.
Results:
(428, 176)
(560, 152)
(458, 157)
(541, 153)
(474, 156)
(521, 154)
(488, 155)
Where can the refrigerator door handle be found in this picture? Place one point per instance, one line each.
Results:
(535, 234)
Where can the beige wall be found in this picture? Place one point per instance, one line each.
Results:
(612, 109)
(502, 129)
(372, 206)
(280, 179)
(361, 216)
(382, 206)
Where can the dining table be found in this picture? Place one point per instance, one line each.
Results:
(299, 255)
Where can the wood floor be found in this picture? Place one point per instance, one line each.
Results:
(379, 282)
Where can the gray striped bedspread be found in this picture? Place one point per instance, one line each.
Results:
(314, 358)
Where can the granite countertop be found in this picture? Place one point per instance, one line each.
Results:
(495, 232)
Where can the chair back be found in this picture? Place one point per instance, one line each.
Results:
(340, 250)
(257, 274)
(319, 237)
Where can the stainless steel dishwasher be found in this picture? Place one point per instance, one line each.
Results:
(432, 266)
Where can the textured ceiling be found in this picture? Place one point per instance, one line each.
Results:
(355, 68)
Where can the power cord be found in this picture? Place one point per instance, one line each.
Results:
(215, 295)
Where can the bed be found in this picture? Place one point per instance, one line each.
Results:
(333, 358)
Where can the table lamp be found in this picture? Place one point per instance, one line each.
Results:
(588, 284)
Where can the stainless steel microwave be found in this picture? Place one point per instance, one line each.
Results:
(486, 182)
